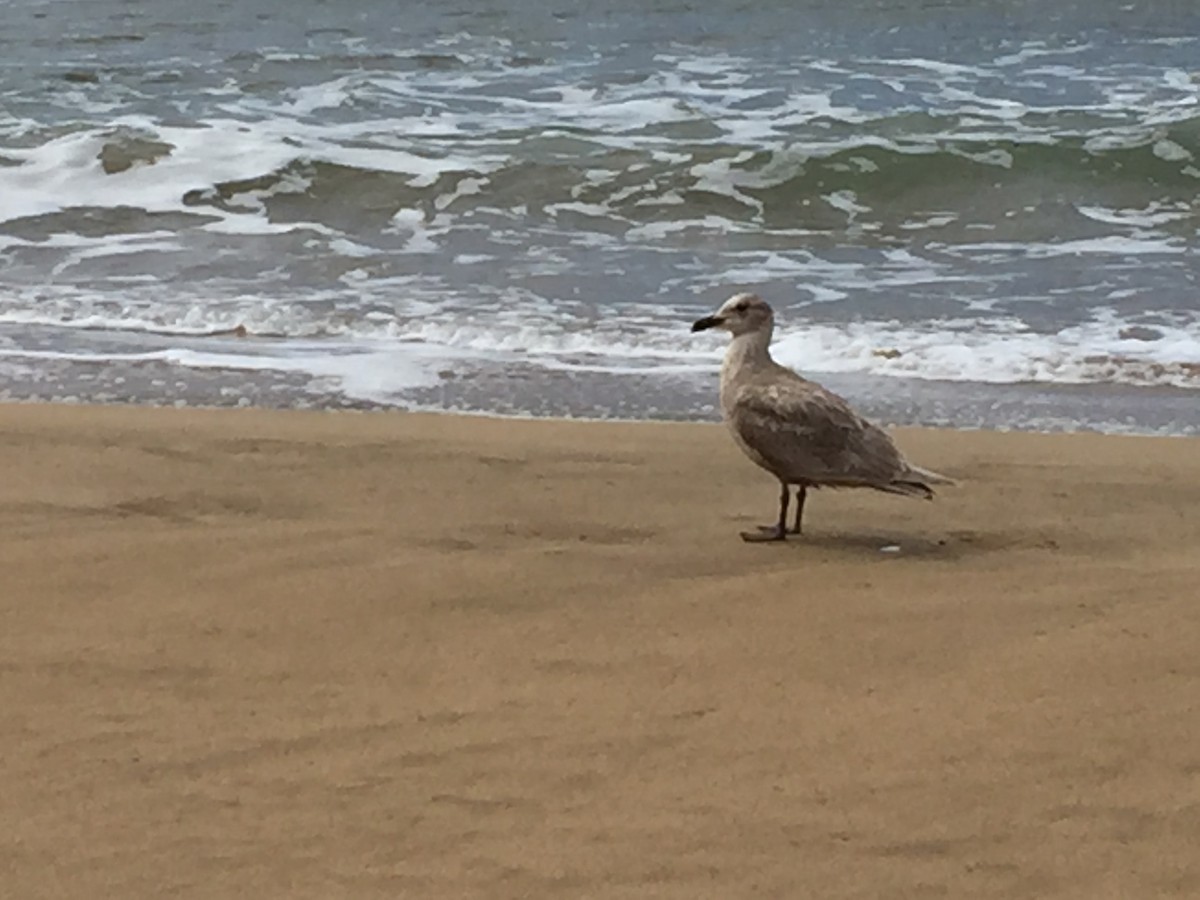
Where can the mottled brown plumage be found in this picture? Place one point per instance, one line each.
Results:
(797, 430)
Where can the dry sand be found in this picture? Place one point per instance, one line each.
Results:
(252, 654)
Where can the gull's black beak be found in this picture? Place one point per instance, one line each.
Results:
(706, 323)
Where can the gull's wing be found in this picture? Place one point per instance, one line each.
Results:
(801, 432)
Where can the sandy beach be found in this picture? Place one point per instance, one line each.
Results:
(316, 655)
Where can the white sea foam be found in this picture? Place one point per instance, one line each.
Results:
(363, 373)
(1035, 49)
(527, 173)
(1171, 151)
(1116, 244)
(1100, 351)
(1149, 217)
(381, 355)
(66, 171)
(153, 242)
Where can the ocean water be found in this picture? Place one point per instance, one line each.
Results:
(965, 213)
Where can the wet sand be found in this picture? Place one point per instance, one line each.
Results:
(313, 655)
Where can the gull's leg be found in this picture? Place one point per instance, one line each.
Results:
(777, 532)
(801, 496)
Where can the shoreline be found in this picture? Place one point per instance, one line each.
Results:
(1028, 407)
(447, 655)
(382, 410)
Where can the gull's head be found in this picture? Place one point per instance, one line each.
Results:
(740, 314)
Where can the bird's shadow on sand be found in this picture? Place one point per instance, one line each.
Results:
(950, 545)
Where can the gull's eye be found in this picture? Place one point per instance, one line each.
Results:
(742, 307)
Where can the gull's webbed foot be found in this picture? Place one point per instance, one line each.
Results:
(765, 533)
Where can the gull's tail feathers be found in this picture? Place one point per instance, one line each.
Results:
(919, 474)
(906, 488)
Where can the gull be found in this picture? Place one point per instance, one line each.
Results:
(797, 430)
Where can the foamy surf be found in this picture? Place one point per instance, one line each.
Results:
(429, 215)
(387, 351)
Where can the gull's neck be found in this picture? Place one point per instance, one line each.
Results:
(753, 348)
